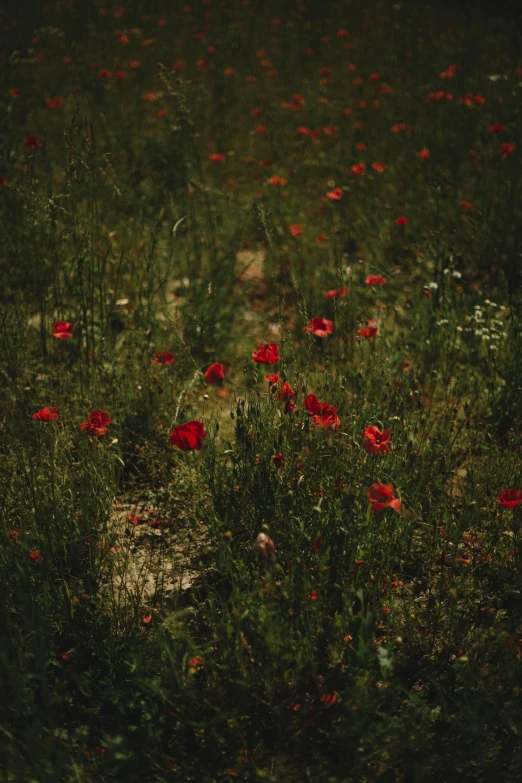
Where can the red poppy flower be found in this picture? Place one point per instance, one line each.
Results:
(188, 436)
(375, 280)
(265, 544)
(105, 73)
(275, 180)
(497, 128)
(119, 75)
(321, 413)
(379, 167)
(318, 544)
(278, 460)
(97, 424)
(335, 195)
(163, 113)
(321, 327)
(401, 221)
(266, 354)
(296, 229)
(506, 149)
(467, 206)
(368, 331)
(32, 142)
(380, 496)
(55, 103)
(135, 64)
(315, 133)
(15, 92)
(510, 498)
(337, 293)
(320, 238)
(63, 330)
(215, 373)
(424, 154)
(375, 441)
(46, 414)
(398, 127)
(303, 130)
(217, 157)
(285, 393)
(273, 378)
(163, 358)
(150, 97)
(347, 112)
(358, 169)
(36, 557)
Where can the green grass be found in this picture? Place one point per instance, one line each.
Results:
(370, 645)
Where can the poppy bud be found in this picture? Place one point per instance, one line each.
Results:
(265, 544)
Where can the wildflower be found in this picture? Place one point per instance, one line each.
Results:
(510, 498)
(105, 73)
(62, 330)
(312, 596)
(15, 92)
(55, 103)
(497, 128)
(375, 280)
(278, 460)
(119, 75)
(163, 113)
(150, 96)
(303, 131)
(506, 149)
(296, 229)
(36, 557)
(318, 544)
(215, 373)
(320, 238)
(163, 358)
(286, 394)
(467, 206)
(347, 112)
(273, 378)
(275, 180)
(368, 331)
(96, 424)
(337, 293)
(265, 544)
(315, 133)
(32, 142)
(379, 167)
(398, 127)
(146, 619)
(46, 414)
(358, 169)
(217, 157)
(335, 195)
(380, 496)
(321, 413)
(229, 71)
(134, 64)
(375, 441)
(267, 353)
(321, 327)
(188, 436)
(424, 154)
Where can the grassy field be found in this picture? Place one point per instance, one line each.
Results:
(261, 392)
